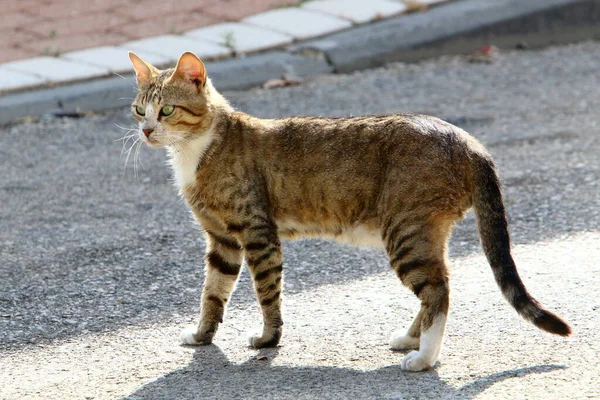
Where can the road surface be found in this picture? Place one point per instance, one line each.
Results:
(101, 268)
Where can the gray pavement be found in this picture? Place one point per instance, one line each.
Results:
(101, 268)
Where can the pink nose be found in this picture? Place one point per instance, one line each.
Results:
(147, 132)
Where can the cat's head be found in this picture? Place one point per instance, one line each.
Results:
(174, 105)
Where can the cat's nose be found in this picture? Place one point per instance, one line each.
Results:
(147, 131)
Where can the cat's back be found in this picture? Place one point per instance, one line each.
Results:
(387, 136)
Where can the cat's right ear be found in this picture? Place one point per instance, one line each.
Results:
(190, 69)
(143, 71)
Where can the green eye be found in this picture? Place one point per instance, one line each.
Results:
(167, 110)
(140, 110)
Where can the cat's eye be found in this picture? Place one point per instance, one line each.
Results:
(140, 110)
(167, 110)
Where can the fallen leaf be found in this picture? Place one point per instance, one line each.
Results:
(282, 82)
(486, 54)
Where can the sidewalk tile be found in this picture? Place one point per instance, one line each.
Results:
(113, 58)
(425, 2)
(14, 19)
(234, 10)
(59, 45)
(297, 22)
(358, 11)
(73, 8)
(8, 6)
(172, 46)
(55, 69)
(14, 38)
(12, 80)
(143, 10)
(97, 22)
(172, 24)
(12, 54)
(242, 37)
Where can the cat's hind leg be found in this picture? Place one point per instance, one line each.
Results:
(223, 262)
(411, 339)
(433, 326)
(417, 255)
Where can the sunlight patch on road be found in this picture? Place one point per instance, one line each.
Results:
(348, 326)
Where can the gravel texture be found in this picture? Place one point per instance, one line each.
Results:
(101, 268)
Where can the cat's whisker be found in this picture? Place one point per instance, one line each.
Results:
(128, 152)
(123, 127)
(126, 141)
(126, 137)
(136, 159)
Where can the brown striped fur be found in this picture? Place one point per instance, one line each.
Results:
(398, 181)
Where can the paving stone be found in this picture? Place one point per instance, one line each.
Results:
(13, 80)
(358, 11)
(113, 58)
(234, 10)
(298, 22)
(12, 54)
(172, 46)
(242, 37)
(76, 41)
(173, 24)
(55, 69)
(426, 2)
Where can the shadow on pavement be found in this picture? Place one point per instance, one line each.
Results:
(212, 375)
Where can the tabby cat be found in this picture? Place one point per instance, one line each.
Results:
(395, 181)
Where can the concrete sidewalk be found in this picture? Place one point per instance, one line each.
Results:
(49, 43)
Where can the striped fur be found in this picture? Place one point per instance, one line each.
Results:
(395, 181)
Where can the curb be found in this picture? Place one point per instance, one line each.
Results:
(458, 28)
(454, 28)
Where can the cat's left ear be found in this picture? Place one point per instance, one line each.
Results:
(191, 69)
(143, 70)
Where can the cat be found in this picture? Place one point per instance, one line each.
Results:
(399, 182)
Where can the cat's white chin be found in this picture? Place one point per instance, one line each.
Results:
(154, 143)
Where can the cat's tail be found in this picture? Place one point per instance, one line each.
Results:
(493, 230)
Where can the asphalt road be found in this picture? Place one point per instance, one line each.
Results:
(100, 269)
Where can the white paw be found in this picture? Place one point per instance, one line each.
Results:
(253, 341)
(187, 335)
(415, 361)
(404, 342)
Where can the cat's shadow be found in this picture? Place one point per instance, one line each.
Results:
(210, 375)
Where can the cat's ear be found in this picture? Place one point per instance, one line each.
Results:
(191, 69)
(143, 70)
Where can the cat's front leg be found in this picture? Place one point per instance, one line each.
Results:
(265, 261)
(223, 262)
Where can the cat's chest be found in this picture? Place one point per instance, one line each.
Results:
(185, 160)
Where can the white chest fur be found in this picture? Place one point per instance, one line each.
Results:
(184, 158)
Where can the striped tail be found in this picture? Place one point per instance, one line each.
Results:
(493, 230)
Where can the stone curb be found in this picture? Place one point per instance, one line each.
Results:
(451, 28)
(459, 28)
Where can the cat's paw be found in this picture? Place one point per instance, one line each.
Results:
(404, 342)
(415, 362)
(188, 336)
(259, 342)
